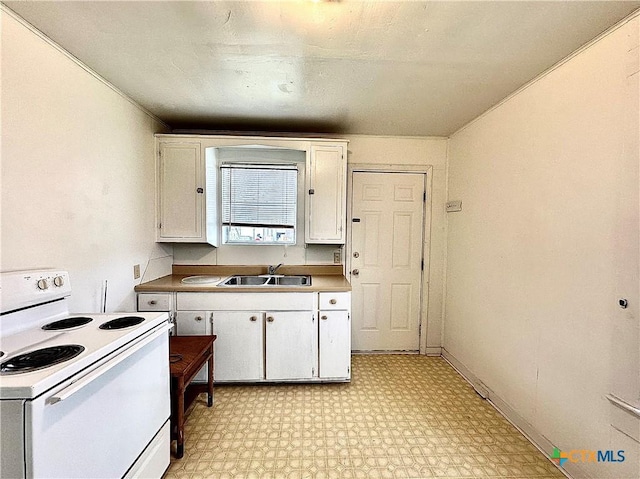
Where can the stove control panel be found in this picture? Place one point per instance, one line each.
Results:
(19, 289)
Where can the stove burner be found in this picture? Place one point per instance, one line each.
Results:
(67, 323)
(123, 322)
(40, 358)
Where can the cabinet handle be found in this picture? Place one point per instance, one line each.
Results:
(253, 318)
(323, 317)
(152, 302)
(332, 301)
(200, 190)
(198, 318)
(270, 319)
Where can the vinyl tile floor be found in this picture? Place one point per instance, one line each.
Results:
(401, 416)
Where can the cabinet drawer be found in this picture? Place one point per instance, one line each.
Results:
(154, 301)
(335, 300)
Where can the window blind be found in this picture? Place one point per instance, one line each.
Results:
(259, 196)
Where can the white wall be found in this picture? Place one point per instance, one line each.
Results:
(549, 183)
(77, 173)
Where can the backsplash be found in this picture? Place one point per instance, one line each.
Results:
(249, 255)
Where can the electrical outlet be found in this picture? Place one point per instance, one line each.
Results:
(136, 271)
(337, 257)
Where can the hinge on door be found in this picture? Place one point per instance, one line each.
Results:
(348, 316)
(313, 371)
(159, 226)
(348, 369)
(424, 196)
(422, 264)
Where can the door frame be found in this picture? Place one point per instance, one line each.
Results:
(427, 171)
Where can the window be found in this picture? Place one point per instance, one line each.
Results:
(259, 203)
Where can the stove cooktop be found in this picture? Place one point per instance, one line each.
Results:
(96, 345)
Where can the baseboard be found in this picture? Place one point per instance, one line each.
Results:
(433, 351)
(545, 446)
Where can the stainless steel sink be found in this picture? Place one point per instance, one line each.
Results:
(245, 281)
(293, 280)
(266, 281)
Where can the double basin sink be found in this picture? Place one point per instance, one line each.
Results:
(267, 280)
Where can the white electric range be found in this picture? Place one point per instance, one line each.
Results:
(81, 395)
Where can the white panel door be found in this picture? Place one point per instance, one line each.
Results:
(291, 345)
(386, 267)
(334, 344)
(238, 349)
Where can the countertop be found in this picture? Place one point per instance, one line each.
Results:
(323, 278)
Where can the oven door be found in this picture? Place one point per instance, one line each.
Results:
(96, 426)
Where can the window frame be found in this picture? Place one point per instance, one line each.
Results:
(298, 229)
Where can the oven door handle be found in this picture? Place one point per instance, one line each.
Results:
(85, 380)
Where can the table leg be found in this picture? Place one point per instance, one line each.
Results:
(180, 419)
(210, 380)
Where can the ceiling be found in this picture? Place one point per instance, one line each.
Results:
(343, 67)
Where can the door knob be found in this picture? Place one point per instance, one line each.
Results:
(355, 272)
(253, 318)
(623, 303)
(270, 319)
(356, 254)
(198, 318)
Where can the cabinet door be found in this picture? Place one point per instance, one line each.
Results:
(194, 323)
(180, 192)
(239, 347)
(335, 344)
(326, 194)
(290, 345)
(190, 323)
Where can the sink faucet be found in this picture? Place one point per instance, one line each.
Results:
(273, 269)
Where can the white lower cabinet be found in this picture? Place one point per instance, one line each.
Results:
(334, 345)
(194, 323)
(334, 335)
(290, 339)
(264, 337)
(239, 346)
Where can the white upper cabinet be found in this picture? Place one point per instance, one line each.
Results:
(326, 193)
(186, 196)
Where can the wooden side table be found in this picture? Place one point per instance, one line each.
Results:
(187, 355)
